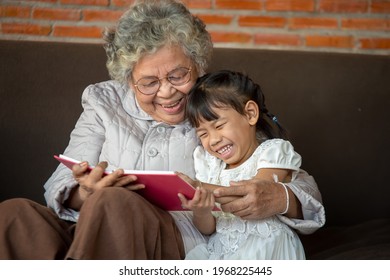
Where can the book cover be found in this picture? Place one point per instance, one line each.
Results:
(161, 187)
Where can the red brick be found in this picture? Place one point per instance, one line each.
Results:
(277, 39)
(78, 31)
(262, 21)
(216, 19)
(234, 21)
(366, 24)
(197, 4)
(290, 5)
(344, 6)
(49, 1)
(122, 3)
(56, 14)
(330, 41)
(86, 2)
(379, 6)
(375, 43)
(230, 37)
(310, 23)
(101, 15)
(15, 11)
(239, 4)
(24, 28)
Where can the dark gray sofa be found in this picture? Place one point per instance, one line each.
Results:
(335, 106)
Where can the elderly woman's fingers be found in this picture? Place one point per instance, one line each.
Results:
(79, 170)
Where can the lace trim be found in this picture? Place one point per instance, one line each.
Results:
(233, 231)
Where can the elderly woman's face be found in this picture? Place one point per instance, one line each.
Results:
(161, 82)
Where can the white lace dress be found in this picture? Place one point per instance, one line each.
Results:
(267, 239)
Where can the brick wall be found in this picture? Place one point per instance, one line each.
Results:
(358, 26)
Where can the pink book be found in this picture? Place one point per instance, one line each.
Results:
(161, 187)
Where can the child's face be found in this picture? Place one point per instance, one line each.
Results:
(231, 137)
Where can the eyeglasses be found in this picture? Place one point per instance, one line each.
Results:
(177, 77)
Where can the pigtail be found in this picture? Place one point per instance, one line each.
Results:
(282, 132)
(268, 126)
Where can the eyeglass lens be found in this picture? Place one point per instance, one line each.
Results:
(177, 77)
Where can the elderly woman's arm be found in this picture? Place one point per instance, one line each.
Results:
(259, 199)
(63, 192)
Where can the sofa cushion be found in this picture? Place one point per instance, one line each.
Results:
(368, 240)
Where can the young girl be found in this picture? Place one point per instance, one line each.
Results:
(239, 142)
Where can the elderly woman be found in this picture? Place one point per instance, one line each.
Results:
(136, 121)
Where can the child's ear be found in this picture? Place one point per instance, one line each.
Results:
(252, 112)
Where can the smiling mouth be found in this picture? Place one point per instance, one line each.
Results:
(169, 106)
(224, 149)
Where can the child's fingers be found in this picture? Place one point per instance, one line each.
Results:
(183, 200)
(208, 198)
(197, 195)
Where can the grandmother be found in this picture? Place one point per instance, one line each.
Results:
(136, 121)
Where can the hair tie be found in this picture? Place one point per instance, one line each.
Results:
(273, 118)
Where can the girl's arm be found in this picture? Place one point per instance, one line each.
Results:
(201, 204)
(274, 175)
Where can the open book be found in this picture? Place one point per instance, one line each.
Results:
(161, 187)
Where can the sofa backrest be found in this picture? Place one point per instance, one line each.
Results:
(40, 90)
(335, 107)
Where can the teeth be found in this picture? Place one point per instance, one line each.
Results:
(171, 105)
(224, 149)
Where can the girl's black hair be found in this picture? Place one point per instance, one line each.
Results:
(226, 88)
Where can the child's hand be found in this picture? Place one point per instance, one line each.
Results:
(202, 203)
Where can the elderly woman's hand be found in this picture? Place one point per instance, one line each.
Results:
(258, 199)
(95, 179)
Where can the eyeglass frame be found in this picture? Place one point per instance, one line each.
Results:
(165, 78)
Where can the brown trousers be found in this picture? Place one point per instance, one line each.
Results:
(114, 223)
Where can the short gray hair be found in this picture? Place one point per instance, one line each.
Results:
(149, 25)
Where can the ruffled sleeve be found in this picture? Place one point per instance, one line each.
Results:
(278, 153)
